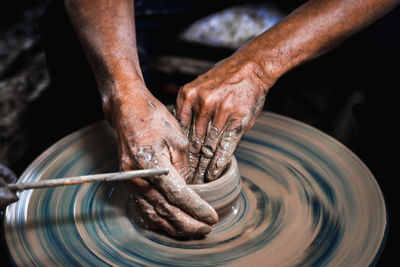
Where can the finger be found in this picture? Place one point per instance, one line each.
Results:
(230, 139)
(184, 224)
(194, 152)
(183, 107)
(156, 209)
(178, 148)
(181, 162)
(196, 138)
(145, 211)
(207, 151)
(181, 195)
(174, 187)
(151, 220)
(210, 143)
(224, 151)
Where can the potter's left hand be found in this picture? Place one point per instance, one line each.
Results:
(217, 108)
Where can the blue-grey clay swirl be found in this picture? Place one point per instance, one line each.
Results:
(306, 200)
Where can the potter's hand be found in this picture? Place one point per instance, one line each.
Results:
(220, 105)
(228, 97)
(216, 109)
(149, 136)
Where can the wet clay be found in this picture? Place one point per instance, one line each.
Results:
(209, 157)
(226, 147)
(207, 150)
(229, 141)
(176, 192)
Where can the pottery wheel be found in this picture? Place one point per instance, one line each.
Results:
(306, 200)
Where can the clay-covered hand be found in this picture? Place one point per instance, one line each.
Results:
(217, 108)
(149, 136)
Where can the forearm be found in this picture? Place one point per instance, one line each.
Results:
(311, 30)
(106, 30)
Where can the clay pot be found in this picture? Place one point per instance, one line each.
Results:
(223, 192)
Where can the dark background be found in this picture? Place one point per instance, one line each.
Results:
(349, 93)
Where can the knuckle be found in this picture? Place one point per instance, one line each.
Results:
(228, 107)
(206, 99)
(240, 119)
(187, 93)
(235, 123)
(244, 110)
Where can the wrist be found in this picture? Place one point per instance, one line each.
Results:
(120, 94)
(261, 63)
(276, 53)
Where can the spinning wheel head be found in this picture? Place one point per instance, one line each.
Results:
(305, 200)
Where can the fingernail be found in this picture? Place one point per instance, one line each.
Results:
(204, 230)
(207, 151)
(211, 220)
(214, 220)
(220, 163)
(215, 172)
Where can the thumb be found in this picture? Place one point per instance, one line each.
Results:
(174, 187)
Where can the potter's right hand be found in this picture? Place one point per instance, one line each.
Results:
(149, 136)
